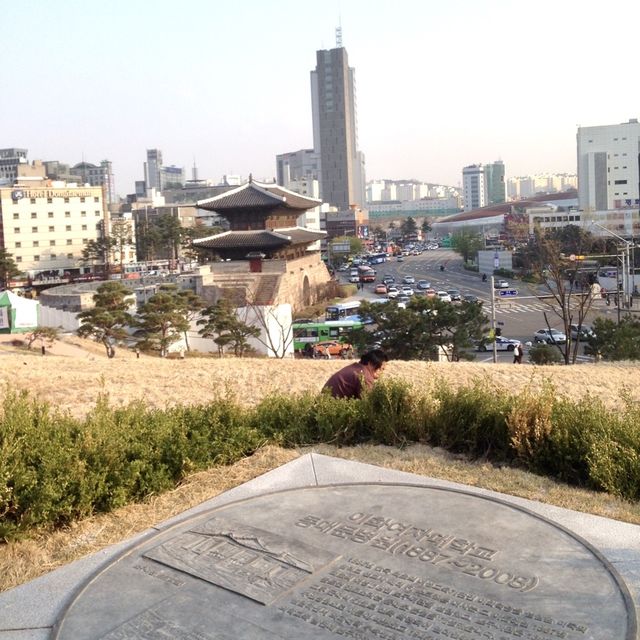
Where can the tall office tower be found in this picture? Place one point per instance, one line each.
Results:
(496, 187)
(9, 161)
(335, 138)
(474, 187)
(152, 168)
(608, 166)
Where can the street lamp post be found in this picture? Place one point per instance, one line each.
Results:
(625, 259)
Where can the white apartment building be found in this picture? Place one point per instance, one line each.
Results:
(46, 224)
(522, 187)
(608, 172)
(474, 187)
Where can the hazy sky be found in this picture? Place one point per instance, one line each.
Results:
(439, 84)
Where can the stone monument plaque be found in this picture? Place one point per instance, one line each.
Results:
(358, 562)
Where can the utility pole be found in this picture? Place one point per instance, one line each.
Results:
(493, 320)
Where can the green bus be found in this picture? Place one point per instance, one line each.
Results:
(305, 333)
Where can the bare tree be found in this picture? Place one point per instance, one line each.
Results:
(276, 331)
(569, 296)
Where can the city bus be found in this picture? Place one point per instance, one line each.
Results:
(376, 258)
(313, 332)
(343, 311)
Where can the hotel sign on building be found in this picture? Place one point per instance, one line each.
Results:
(45, 226)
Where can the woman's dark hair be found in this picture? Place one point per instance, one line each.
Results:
(375, 357)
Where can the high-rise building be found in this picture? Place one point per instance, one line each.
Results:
(296, 166)
(496, 187)
(9, 161)
(608, 166)
(152, 169)
(474, 187)
(171, 177)
(335, 138)
(483, 184)
(97, 176)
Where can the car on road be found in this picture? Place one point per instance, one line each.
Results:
(403, 299)
(444, 296)
(388, 279)
(400, 259)
(469, 297)
(585, 332)
(501, 284)
(331, 348)
(406, 290)
(393, 292)
(549, 336)
(354, 279)
(408, 280)
(502, 344)
(455, 295)
(380, 288)
(423, 284)
(430, 293)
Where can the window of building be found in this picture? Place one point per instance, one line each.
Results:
(32, 200)
(52, 228)
(49, 200)
(69, 241)
(16, 216)
(16, 229)
(34, 229)
(620, 182)
(18, 258)
(82, 199)
(36, 258)
(52, 243)
(34, 215)
(66, 199)
(84, 227)
(83, 214)
(67, 214)
(97, 213)
(99, 226)
(36, 243)
(96, 199)
(53, 256)
(69, 255)
(85, 241)
(17, 245)
(68, 228)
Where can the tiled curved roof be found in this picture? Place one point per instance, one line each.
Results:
(253, 195)
(260, 239)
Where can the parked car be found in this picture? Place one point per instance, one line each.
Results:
(455, 295)
(585, 332)
(381, 288)
(444, 296)
(502, 344)
(500, 284)
(408, 280)
(332, 348)
(423, 284)
(549, 336)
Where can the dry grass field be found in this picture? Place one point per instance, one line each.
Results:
(74, 372)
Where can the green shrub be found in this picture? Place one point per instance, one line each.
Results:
(471, 420)
(544, 354)
(394, 414)
(288, 421)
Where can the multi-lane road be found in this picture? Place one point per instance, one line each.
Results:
(518, 317)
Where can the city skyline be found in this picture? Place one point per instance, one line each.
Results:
(439, 87)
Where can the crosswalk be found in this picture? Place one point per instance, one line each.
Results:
(515, 307)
